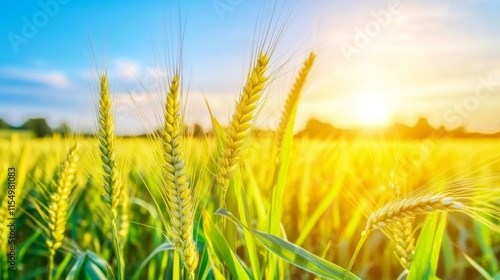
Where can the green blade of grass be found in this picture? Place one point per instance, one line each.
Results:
(220, 247)
(478, 267)
(424, 264)
(167, 246)
(219, 132)
(292, 253)
(204, 266)
(90, 266)
(245, 216)
(484, 239)
(280, 176)
(319, 210)
(255, 193)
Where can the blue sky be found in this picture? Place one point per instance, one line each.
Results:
(435, 59)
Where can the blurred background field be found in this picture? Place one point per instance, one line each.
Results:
(320, 212)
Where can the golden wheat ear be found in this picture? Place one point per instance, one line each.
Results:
(123, 222)
(293, 98)
(399, 209)
(402, 233)
(59, 205)
(241, 124)
(178, 192)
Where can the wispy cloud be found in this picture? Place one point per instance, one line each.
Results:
(125, 69)
(55, 79)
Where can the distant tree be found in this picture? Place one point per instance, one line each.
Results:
(39, 126)
(399, 131)
(422, 129)
(63, 129)
(4, 124)
(321, 130)
(197, 130)
(459, 132)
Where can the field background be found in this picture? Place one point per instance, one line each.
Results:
(321, 211)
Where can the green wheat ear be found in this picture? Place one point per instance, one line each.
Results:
(178, 192)
(112, 185)
(107, 150)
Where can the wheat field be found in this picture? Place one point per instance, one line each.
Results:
(237, 204)
(334, 192)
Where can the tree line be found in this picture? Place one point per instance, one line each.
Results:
(314, 129)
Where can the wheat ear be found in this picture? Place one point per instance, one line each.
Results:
(402, 235)
(178, 192)
(293, 98)
(409, 207)
(107, 150)
(241, 124)
(112, 185)
(402, 232)
(59, 204)
(123, 217)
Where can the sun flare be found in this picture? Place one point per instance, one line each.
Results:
(372, 110)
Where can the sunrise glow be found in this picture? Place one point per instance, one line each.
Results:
(372, 110)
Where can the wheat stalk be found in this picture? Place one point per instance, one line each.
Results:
(59, 204)
(112, 187)
(292, 99)
(179, 195)
(409, 207)
(241, 124)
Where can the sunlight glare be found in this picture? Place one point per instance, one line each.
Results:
(372, 110)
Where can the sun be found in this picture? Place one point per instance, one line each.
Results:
(372, 110)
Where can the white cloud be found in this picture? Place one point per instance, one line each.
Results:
(125, 69)
(54, 79)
